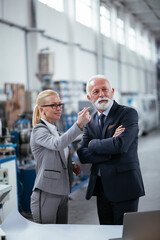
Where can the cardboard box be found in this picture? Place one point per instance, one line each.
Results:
(15, 103)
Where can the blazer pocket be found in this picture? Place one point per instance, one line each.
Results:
(52, 174)
(111, 126)
(127, 167)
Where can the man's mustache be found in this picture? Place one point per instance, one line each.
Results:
(102, 99)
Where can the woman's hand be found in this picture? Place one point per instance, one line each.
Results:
(76, 169)
(118, 131)
(83, 117)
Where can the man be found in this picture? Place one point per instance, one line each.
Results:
(111, 148)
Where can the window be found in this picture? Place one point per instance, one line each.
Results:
(144, 46)
(56, 4)
(132, 39)
(120, 31)
(154, 53)
(147, 53)
(105, 21)
(84, 12)
(140, 45)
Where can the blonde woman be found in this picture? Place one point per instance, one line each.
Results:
(49, 200)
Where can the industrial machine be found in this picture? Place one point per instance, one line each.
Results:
(21, 136)
(4, 191)
(26, 165)
(46, 68)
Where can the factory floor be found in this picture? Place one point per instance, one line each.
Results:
(83, 211)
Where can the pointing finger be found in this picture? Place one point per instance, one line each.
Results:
(85, 111)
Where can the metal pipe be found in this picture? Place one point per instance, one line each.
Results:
(33, 13)
(27, 61)
(68, 43)
(26, 29)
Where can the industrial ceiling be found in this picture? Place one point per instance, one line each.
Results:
(146, 11)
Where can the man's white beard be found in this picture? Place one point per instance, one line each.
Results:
(104, 105)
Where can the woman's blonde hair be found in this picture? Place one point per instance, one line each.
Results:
(41, 99)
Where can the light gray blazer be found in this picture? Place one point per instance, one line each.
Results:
(53, 171)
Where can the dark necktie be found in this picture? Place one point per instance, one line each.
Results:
(101, 121)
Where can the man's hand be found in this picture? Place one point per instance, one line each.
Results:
(118, 131)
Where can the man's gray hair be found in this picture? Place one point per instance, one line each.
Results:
(98, 76)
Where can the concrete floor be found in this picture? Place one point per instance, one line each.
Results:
(82, 211)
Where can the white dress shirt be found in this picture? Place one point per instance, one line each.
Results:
(106, 112)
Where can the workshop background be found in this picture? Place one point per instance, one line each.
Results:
(60, 45)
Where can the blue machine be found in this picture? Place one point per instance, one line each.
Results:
(26, 165)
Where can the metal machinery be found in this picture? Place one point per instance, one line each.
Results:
(4, 190)
(21, 136)
(8, 178)
(15, 138)
(26, 166)
(46, 68)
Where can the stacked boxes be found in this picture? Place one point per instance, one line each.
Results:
(15, 103)
(71, 93)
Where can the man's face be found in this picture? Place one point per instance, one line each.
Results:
(101, 94)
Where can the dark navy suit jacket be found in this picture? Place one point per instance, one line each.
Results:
(116, 158)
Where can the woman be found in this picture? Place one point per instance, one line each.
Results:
(49, 200)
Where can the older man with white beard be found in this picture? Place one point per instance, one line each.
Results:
(110, 143)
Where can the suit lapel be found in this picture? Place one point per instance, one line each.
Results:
(62, 155)
(61, 152)
(110, 117)
(64, 161)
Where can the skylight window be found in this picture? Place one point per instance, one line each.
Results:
(105, 21)
(56, 4)
(120, 31)
(84, 12)
(132, 39)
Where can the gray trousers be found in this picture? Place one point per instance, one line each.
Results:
(48, 208)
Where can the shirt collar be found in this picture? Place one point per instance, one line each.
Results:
(49, 125)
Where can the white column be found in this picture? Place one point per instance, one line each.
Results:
(98, 36)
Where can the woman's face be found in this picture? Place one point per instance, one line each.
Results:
(52, 109)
